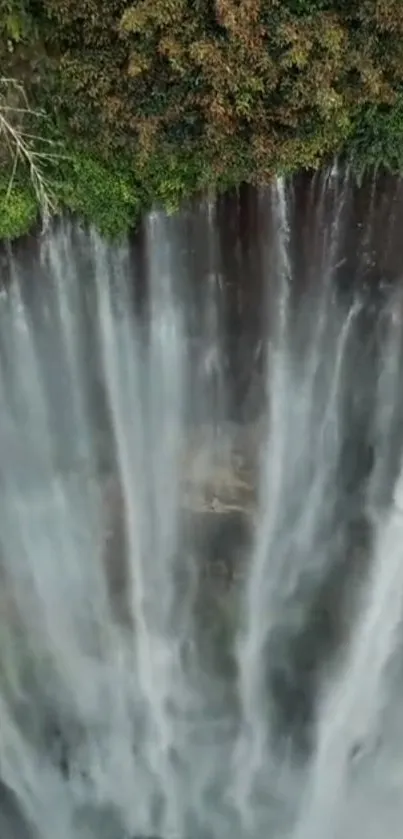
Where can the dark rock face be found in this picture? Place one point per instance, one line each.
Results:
(13, 824)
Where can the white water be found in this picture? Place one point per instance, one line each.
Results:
(122, 714)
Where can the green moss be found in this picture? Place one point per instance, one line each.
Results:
(18, 210)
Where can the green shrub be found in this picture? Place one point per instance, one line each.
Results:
(18, 209)
(377, 139)
(100, 193)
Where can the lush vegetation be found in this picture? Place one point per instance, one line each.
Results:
(140, 101)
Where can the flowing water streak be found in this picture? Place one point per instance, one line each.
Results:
(349, 713)
(289, 552)
(212, 357)
(367, 233)
(146, 396)
(250, 755)
(321, 308)
(64, 306)
(31, 483)
(21, 769)
(301, 556)
(166, 385)
(388, 410)
(121, 353)
(50, 566)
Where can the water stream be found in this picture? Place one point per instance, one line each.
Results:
(201, 522)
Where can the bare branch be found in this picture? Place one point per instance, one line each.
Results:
(22, 147)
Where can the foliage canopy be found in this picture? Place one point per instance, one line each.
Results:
(153, 100)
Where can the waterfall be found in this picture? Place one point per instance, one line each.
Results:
(201, 600)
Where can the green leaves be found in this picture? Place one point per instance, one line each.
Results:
(14, 21)
(307, 7)
(155, 100)
(377, 138)
(18, 209)
(101, 193)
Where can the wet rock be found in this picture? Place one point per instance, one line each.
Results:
(218, 474)
(221, 543)
(13, 825)
(218, 499)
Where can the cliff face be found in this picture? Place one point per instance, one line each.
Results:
(218, 501)
(216, 519)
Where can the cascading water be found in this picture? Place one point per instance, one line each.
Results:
(201, 601)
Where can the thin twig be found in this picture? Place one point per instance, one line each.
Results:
(21, 149)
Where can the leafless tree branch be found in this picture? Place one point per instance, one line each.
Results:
(23, 146)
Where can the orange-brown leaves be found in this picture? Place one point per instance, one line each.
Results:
(152, 15)
(238, 16)
(387, 15)
(175, 53)
(220, 114)
(243, 86)
(138, 64)
(320, 38)
(147, 131)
